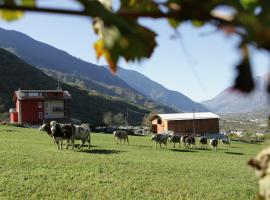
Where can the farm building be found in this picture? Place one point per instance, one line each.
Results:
(199, 123)
(36, 106)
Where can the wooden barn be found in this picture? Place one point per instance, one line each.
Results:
(198, 123)
(37, 106)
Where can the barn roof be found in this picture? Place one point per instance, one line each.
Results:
(188, 116)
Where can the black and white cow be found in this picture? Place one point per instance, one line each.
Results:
(160, 139)
(121, 135)
(175, 138)
(225, 142)
(68, 132)
(59, 132)
(203, 142)
(214, 144)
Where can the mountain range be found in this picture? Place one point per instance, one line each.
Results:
(231, 101)
(127, 85)
(16, 73)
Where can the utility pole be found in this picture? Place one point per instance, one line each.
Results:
(194, 121)
(127, 116)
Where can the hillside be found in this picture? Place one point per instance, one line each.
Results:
(15, 74)
(157, 92)
(67, 68)
(230, 101)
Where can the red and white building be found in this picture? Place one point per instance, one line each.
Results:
(37, 106)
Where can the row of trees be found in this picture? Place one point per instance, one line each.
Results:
(119, 119)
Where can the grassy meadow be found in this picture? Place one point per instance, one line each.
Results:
(32, 168)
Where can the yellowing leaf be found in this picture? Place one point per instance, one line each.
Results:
(9, 15)
(102, 51)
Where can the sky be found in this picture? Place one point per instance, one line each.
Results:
(200, 63)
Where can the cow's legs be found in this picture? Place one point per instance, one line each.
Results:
(127, 141)
(89, 142)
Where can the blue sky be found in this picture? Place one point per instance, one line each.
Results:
(200, 64)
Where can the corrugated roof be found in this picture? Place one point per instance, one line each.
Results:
(187, 116)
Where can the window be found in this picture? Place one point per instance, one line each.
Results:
(159, 121)
(40, 115)
(40, 104)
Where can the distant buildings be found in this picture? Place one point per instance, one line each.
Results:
(36, 106)
(198, 123)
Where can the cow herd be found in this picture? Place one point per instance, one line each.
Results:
(70, 132)
(188, 141)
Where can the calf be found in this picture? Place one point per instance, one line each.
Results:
(121, 135)
(203, 142)
(175, 138)
(214, 144)
(161, 139)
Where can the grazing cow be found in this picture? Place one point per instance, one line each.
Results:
(261, 165)
(225, 142)
(121, 135)
(83, 133)
(214, 144)
(203, 142)
(161, 139)
(175, 138)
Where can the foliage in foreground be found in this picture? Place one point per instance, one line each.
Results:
(122, 36)
(32, 167)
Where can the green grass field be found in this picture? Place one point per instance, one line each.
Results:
(32, 168)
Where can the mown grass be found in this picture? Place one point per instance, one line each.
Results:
(32, 168)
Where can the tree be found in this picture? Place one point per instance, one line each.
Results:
(118, 119)
(108, 118)
(121, 35)
(147, 119)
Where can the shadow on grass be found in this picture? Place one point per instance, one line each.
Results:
(235, 147)
(234, 153)
(144, 146)
(100, 151)
(184, 150)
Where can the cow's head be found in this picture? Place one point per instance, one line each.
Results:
(46, 127)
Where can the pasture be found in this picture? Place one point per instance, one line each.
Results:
(32, 168)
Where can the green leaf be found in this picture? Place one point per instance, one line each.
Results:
(249, 4)
(10, 15)
(29, 3)
(197, 23)
(174, 23)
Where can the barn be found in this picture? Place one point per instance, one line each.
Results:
(197, 122)
(37, 106)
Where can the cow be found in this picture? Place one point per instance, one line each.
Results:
(121, 135)
(203, 142)
(225, 142)
(58, 132)
(214, 144)
(261, 165)
(184, 140)
(161, 139)
(81, 132)
(175, 138)
(68, 132)
(188, 141)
